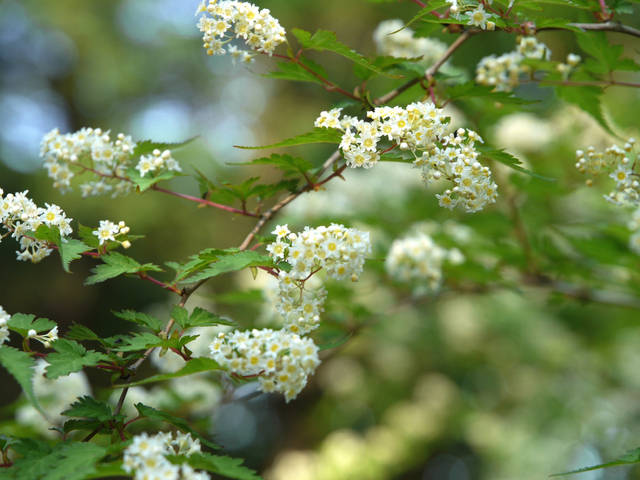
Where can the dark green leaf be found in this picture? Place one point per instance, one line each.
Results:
(115, 264)
(80, 332)
(588, 99)
(296, 72)
(22, 322)
(472, 90)
(70, 356)
(89, 407)
(222, 465)
(20, 365)
(287, 163)
(71, 249)
(509, 160)
(143, 319)
(139, 341)
(231, 263)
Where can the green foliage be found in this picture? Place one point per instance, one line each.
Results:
(227, 467)
(69, 357)
(22, 322)
(288, 164)
(63, 461)
(70, 249)
(146, 182)
(606, 57)
(153, 414)
(149, 321)
(509, 160)
(198, 318)
(20, 365)
(631, 457)
(588, 99)
(297, 72)
(116, 264)
(472, 90)
(195, 365)
(212, 262)
(137, 341)
(89, 407)
(145, 147)
(317, 135)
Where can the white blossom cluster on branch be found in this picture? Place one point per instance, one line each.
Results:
(105, 160)
(4, 329)
(503, 72)
(146, 457)
(281, 360)
(393, 39)
(420, 128)
(21, 217)
(224, 20)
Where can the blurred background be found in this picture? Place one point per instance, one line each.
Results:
(501, 373)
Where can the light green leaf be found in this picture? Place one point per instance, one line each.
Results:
(287, 163)
(632, 456)
(195, 365)
(202, 318)
(20, 365)
(222, 465)
(294, 71)
(231, 263)
(146, 147)
(510, 161)
(317, 135)
(143, 319)
(70, 356)
(115, 264)
(22, 322)
(71, 249)
(325, 40)
(139, 341)
(146, 182)
(588, 99)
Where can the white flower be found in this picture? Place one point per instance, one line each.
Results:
(478, 17)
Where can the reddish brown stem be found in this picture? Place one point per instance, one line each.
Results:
(149, 278)
(203, 201)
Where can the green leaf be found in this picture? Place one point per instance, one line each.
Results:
(606, 56)
(80, 332)
(231, 263)
(115, 264)
(146, 147)
(139, 341)
(222, 465)
(22, 322)
(70, 356)
(63, 461)
(143, 319)
(294, 71)
(86, 235)
(325, 40)
(472, 90)
(632, 456)
(71, 249)
(146, 182)
(202, 318)
(195, 365)
(106, 470)
(89, 407)
(510, 161)
(287, 163)
(20, 365)
(588, 99)
(317, 135)
(152, 413)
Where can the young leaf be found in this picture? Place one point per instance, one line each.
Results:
(202, 318)
(317, 135)
(296, 72)
(20, 365)
(588, 99)
(115, 264)
(606, 57)
(143, 319)
(63, 461)
(510, 161)
(70, 356)
(222, 465)
(146, 182)
(195, 365)
(22, 322)
(89, 407)
(152, 413)
(138, 341)
(471, 89)
(71, 249)
(287, 163)
(80, 332)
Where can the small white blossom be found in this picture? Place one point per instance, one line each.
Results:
(108, 231)
(394, 39)
(4, 329)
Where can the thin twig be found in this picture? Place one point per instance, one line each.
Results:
(599, 27)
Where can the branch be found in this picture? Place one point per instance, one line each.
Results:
(203, 201)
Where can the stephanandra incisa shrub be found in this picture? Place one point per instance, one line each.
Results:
(411, 123)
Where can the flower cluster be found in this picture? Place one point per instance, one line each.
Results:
(620, 162)
(503, 72)
(4, 329)
(21, 217)
(157, 161)
(227, 19)
(108, 231)
(93, 151)
(146, 456)
(392, 38)
(337, 250)
(281, 360)
(419, 259)
(565, 69)
(47, 338)
(419, 128)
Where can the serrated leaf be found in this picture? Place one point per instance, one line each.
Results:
(606, 55)
(63, 461)
(70, 356)
(71, 249)
(80, 332)
(325, 40)
(231, 263)
(632, 456)
(588, 99)
(86, 235)
(23, 322)
(195, 365)
(152, 413)
(143, 319)
(21, 366)
(317, 135)
(115, 264)
(202, 318)
(471, 90)
(222, 465)
(106, 470)
(145, 147)
(138, 341)
(146, 182)
(89, 407)
(510, 161)
(294, 71)
(287, 163)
